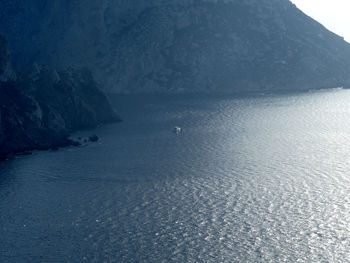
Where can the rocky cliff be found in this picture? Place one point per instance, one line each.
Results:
(187, 45)
(39, 108)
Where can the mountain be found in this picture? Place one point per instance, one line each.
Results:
(179, 46)
(40, 108)
(6, 71)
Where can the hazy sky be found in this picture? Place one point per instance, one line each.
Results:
(333, 14)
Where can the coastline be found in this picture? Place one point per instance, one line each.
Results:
(41, 107)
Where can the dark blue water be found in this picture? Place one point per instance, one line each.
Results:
(250, 179)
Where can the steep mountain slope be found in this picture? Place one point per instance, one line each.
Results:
(39, 109)
(6, 71)
(188, 45)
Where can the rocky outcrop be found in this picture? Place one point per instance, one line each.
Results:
(22, 125)
(71, 94)
(42, 107)
(186, 45)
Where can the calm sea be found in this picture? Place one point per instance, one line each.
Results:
(262, 178)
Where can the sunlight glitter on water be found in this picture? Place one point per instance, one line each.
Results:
(250, 179)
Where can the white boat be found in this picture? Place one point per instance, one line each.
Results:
(177, 129)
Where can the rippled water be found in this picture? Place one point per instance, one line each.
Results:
(250, 179)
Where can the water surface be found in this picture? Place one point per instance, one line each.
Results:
(250, 179)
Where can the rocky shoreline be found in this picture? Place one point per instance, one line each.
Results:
(41, 107)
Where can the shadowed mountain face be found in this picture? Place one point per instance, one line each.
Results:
(6, 72)
(40, 108)
(176, 46)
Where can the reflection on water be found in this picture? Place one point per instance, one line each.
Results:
(250, 179)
